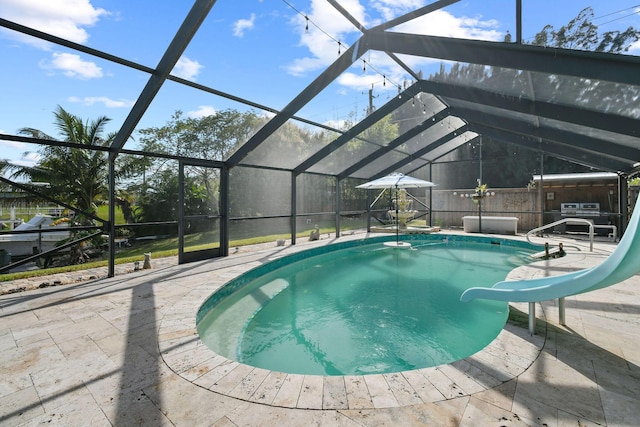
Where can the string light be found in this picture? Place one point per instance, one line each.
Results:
(339, 43)
(310, 21)
(364, 61)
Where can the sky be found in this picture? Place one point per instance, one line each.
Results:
(265, 51)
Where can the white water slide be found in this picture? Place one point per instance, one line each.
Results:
(623, 263)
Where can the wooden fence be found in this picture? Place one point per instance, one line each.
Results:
(449, 206)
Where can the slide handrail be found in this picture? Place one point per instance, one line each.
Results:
(572, 221)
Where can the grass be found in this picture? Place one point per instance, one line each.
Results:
(160, 248)
(103, 212)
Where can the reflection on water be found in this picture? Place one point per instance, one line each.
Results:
(368, 309)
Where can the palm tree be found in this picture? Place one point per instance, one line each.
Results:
(4, 166)
(75, 176)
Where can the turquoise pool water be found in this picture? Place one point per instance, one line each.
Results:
(362, 309)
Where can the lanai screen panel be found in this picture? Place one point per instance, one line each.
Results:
(427, 104)
(367, 142)
(592, 94)
(290, 145)
(450, 146)
(315, 194)
(405, 150)
(259, 202)
(588, 93)
(527, 119)
(353, 199)
(382, 163)
(416, 110)
(345, 156)
(505, 81)
(257, 192)
(558, 131)
(315, 202)
(454, 175)
(617, 138)
(413, 112)
(417, 168)
(432, 132)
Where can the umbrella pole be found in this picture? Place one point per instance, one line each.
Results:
(397, 222)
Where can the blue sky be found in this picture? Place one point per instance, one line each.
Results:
(258, 50)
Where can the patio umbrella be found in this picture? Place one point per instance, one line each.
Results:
(397, 181)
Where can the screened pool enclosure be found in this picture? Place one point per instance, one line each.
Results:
(494, 111)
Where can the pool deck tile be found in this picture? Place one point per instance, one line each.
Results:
(334, 393)
(124, 351)
(289, 393)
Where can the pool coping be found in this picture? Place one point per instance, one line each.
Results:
(510, 354)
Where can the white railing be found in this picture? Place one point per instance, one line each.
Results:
(568, 221)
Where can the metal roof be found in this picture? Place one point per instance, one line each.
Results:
(573, 177)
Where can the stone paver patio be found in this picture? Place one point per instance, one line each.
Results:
(123, 351)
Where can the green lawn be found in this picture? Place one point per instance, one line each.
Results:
(158, 248)
(103, 212)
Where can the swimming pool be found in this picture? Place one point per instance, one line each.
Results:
(362, 308)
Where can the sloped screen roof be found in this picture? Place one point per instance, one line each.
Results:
(580, 106)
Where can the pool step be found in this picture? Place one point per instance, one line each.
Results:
(553, 253)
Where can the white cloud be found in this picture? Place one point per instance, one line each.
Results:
(243, 24)
(107, 102)
(62, 18)
(339, 124)
(31, 157)
(361, 82)
(202, 111)
(381, 84)
(441, 23)
(187, 69)
(14, 144)
(323, 49)
(390, 9)
(72, 66)
(300, 66)
(28, 159)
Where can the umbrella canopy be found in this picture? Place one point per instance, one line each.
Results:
(397, 180)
